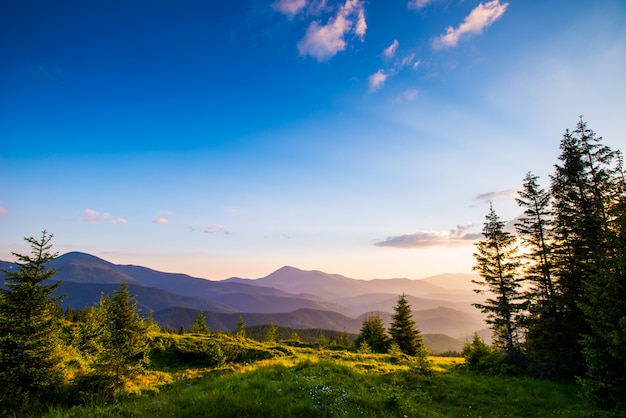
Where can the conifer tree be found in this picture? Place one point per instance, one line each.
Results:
(589, 220)
(241, 327)
(29, 327)
(404, 332)
(581, 189)
(199, 326)
(497, 264)
(271, 334)
(124, 338)
(373, 334)
(543, 323)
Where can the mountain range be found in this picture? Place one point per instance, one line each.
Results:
(288, 297)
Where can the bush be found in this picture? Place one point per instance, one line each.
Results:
(478, 355)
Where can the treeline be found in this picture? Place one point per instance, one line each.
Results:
(557, 288)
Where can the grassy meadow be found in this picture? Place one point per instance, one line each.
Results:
(224, 376)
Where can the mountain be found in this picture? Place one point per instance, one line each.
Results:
(289, 296)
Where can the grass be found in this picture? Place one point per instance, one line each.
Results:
(276, 381)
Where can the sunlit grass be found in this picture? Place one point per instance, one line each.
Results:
(270, 380)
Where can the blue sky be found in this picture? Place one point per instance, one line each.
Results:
(364, 138)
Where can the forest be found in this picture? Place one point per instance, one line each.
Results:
(556, 304)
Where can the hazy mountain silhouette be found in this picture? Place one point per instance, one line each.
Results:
(288, 297)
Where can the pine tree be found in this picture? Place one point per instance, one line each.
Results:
(497, 264)
(271, 334)
(199, 326)
(124, 339)
(543, 323)
(589, 199)
(581, 189)
(29, 328)
(373, 334)
(404, 332)
(241, 327)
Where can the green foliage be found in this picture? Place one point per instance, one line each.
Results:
(404, 332)
(30, 357)
(241, 327)
(199, 326)
(478, 355)
(497, 264)
(310, 383)
(272, 333)
(119, 343)
(373, 334)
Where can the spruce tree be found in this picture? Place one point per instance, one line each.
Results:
(497, 264)
(404, 332)
(29, 327)
(124, 339)
(373, 334)
(272, 333)
(241, 327)
(199, 326)
(581, 191)
(588, 189)
(543, 323)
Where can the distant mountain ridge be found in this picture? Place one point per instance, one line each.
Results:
(288, 297)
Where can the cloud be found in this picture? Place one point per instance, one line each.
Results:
(390, 51)
(325, 41)
(491, 196)
(3, 211)
(93, 216)
(213, 229)
(426, 239)
(418, 4)
(407, 96)
(377, 80)
(161, 221)
(480, 18)
(289, 7)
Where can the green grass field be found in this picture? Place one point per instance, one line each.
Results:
(253, 379)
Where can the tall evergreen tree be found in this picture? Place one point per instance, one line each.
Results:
(199, 326)
(497, 263)
(589, 219)
(404, 332)
(543, 323)
(373, 334)
(29, 327)
(581, 188)
(124, 338)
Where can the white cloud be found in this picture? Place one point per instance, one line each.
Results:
(325, 41)
(480, 18)
(289, 7)
(3, 211)
(426, 239)
(361, 24)
(377, 80)
(93, 216)
(407, 95)
(418, 4)
(161, 221)
(491, 196)
(390, 51)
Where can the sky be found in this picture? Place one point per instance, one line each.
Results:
(362, 138)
